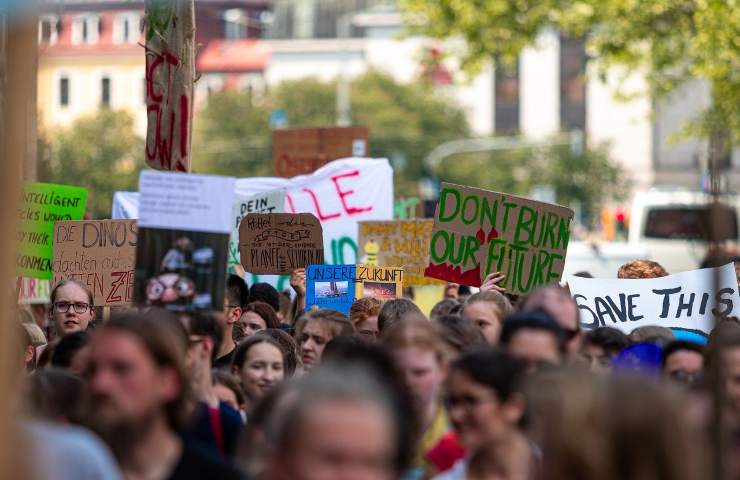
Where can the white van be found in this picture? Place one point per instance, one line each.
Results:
(669, 226)
(673, 226)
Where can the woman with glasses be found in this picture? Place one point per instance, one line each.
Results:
(72, 307)
(485, 404)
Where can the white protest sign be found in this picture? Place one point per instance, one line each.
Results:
(685, 300)
(340, 194)
(180, 201)
(272, 201)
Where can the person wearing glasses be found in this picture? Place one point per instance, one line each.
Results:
(235, 299)
(72, 308)
(536, 338)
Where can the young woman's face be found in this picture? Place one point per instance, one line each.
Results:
(313, 340)
(486, 316)
(252, 323)
(262, 370)
(423, 373)
(368, 328)
(476, 412)
(79, 313)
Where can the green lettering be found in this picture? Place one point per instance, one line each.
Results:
(507, 206)
(443, 204)
(471, 248)
(489, 211)
(492, 255)
(563, 232)
(433, 250)
(552, 221)
(522, 224)
(465, 209)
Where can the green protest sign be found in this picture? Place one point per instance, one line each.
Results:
(42, 204)
(477, 232)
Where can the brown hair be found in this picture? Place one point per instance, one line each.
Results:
(164, 337)
(67, 281)
(363, 308)
(265, 311)
(292, 357)
(618, 427)
(242, 350)
(337, 322)
(500, 301)
(228, 380)
(420, 333)
(641, 269)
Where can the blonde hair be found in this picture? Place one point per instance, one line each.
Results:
(420, 333)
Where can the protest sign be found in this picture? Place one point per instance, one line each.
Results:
(685, 300)
(301, 151)
(398, 242)
(331, 286)
(170, 72)
(99, 254)
(278, 243)
(477, 232)
(383, 283)
(33, 291)
(184, 227)
(340, 194)
(272, 201)
(405, 208)
(42, 205)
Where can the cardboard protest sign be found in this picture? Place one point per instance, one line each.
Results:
(301, 151)
(383, 283)
(398, 242)
(184, 227)
(331, 286)
(170, 72)
(278, 243)
(272, 201)
(33, 291)
(477, 232)
(42, 205)
(99, 254)
(340, 194)
(685, 300)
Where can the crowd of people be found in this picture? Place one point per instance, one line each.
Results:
(487, 386)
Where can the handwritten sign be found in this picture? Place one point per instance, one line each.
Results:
(331, 286)
(278, 243)
(303, 150)
(399, 242)
(383, 283)
(684, 300)
(477, 232)
(33, 291)
(42, 205)
(405, 208)
(170, 72)
(99, 254)
(272, 201)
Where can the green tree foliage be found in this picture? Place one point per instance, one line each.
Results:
(406, 122)
(669, 40)
(100, 152)
(579, 178)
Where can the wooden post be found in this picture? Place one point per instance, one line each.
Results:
(18, 70)
(170, 73)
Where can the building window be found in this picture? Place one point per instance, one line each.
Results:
(235, 24)
(572, 84)
(506, 107)
(85, 29)
(48, 29)
(105, 91)
(63, 91)
(126, 27)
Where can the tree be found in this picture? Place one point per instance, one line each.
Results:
(100, 152)
(578, 178)
(231, 136)
(669, 40)
(406, 122)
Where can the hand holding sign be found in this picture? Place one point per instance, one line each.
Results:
(477, 232)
